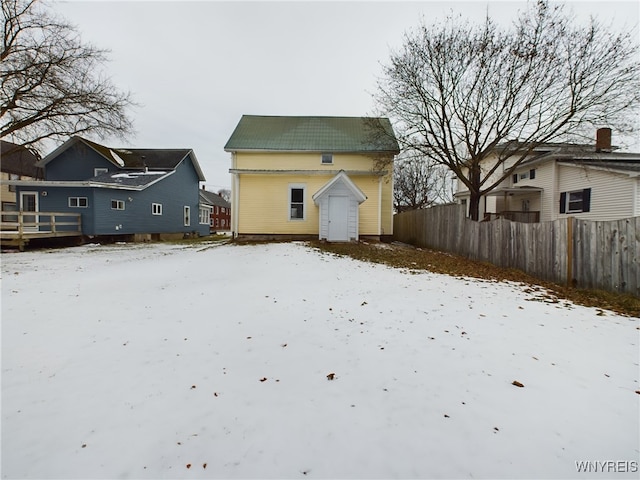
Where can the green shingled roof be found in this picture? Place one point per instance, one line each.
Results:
(315, 134)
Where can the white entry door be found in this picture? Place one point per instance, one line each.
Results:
(29, 203)
(338, 219)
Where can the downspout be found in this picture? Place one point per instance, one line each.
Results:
(235, 186)
(379, 205)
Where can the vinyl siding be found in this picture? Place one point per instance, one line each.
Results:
(263, 202)
(174, 192)
(544, 202)
(612, 194)
(76, 163)
(304, 161)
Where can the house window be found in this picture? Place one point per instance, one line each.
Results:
(530, 175)
(9, 207)
(156, 209)
(526, 205)
(117, 204)
(204, 214)
(296, 202)
(78, 202)
(327, 158)
(577, 201)
(13, 176)
(98, 171)
(187, 215)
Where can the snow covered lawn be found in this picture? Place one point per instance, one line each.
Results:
(279, 361)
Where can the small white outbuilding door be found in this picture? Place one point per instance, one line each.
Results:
(338, 201)
(338, 218)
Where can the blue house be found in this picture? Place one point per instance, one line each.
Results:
(119, 192)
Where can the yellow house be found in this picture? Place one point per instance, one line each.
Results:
(322, 177)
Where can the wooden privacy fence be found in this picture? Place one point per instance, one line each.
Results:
(582, 253)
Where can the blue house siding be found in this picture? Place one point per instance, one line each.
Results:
(171, 180)
(77, 163)
(174, 193)
(56, 200)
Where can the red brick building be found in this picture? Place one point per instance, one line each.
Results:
(221, 211)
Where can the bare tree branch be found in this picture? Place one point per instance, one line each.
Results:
(51, 83)
(459, 93)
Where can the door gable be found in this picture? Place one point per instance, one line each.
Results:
(340, 178)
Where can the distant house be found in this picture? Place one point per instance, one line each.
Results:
(118, 191)
(16, 163)
(593, 182)
(220, 215)
(316, 177)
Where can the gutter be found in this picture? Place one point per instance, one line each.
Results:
(249, 171)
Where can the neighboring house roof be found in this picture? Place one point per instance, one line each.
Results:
(214, 199)
(139, 179)
(118, 181)
(586, 156)
(315, 134)
(631, 168)
(18, 160)
(132, 158)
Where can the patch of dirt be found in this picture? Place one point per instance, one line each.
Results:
(406, 256)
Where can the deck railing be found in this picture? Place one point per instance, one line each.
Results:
(17, 227)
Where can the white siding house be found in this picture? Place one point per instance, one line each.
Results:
(560, 180)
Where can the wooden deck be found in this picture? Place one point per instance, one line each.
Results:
(17, 228)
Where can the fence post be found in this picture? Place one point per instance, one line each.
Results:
(569, 251)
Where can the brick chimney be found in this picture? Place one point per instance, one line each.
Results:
(603, 140)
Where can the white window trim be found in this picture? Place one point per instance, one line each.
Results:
(119, 203)
(187, 216)
(156, 209)
(292, 186)
(77, 202)
(326, 155)
(205, 215)
(579, 210)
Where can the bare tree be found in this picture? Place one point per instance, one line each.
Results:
(459, 93)
(419, 182)
(225, 193)
(51, 85)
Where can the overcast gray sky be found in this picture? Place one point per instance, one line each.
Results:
(196, 67)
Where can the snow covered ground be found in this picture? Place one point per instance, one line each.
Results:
(279, 361)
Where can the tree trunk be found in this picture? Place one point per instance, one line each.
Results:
(474, 206)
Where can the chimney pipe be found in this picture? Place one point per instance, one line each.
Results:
(603, 140)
